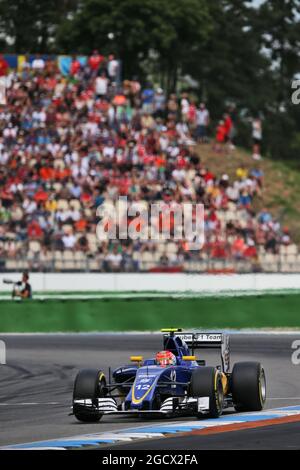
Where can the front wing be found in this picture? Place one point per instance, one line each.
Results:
(171, 406)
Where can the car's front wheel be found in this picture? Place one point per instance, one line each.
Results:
(206, 382)
(90, 384)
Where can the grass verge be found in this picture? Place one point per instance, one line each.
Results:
(263, 311)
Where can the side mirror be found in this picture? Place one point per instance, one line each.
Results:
(189, 358)
(137, 359)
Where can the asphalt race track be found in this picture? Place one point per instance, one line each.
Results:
(36, 387)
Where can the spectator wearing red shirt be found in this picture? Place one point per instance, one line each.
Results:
(218, 249)
(220, 136)
(86, 198)
(41, 196)
(207, 175)
(192, 113)
(34, 230)
(95, 61)
(227, 126)
(3, 66)
(250, 251)
(238, 247)
(230, 130)
(75, 67)
(47, 173)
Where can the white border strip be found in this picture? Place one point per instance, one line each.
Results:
(166, 282)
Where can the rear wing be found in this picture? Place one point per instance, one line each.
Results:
(202, 340)
(207, 341)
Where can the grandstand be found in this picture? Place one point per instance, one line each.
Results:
(71, 142)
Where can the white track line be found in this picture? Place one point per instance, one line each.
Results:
(31, 404)
(287, 398)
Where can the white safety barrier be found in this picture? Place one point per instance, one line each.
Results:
(128, 282)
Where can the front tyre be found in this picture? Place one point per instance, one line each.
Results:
(248, 386)
(207, 382)
(89, 384)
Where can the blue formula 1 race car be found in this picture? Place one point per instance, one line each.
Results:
(172, 383)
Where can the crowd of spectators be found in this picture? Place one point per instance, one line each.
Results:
(70, 144)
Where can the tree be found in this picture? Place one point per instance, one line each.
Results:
(30, 25)
(230, 66)
(135, 29)
(279, 29)
(236, 52)
(278, 25)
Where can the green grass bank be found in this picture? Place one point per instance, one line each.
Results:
(262, 311)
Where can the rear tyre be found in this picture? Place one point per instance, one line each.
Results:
(207, 382)
(89, 384)
(248, 386)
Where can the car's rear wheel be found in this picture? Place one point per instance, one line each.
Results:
(207, 382)
(248, 386)
(89, 384)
